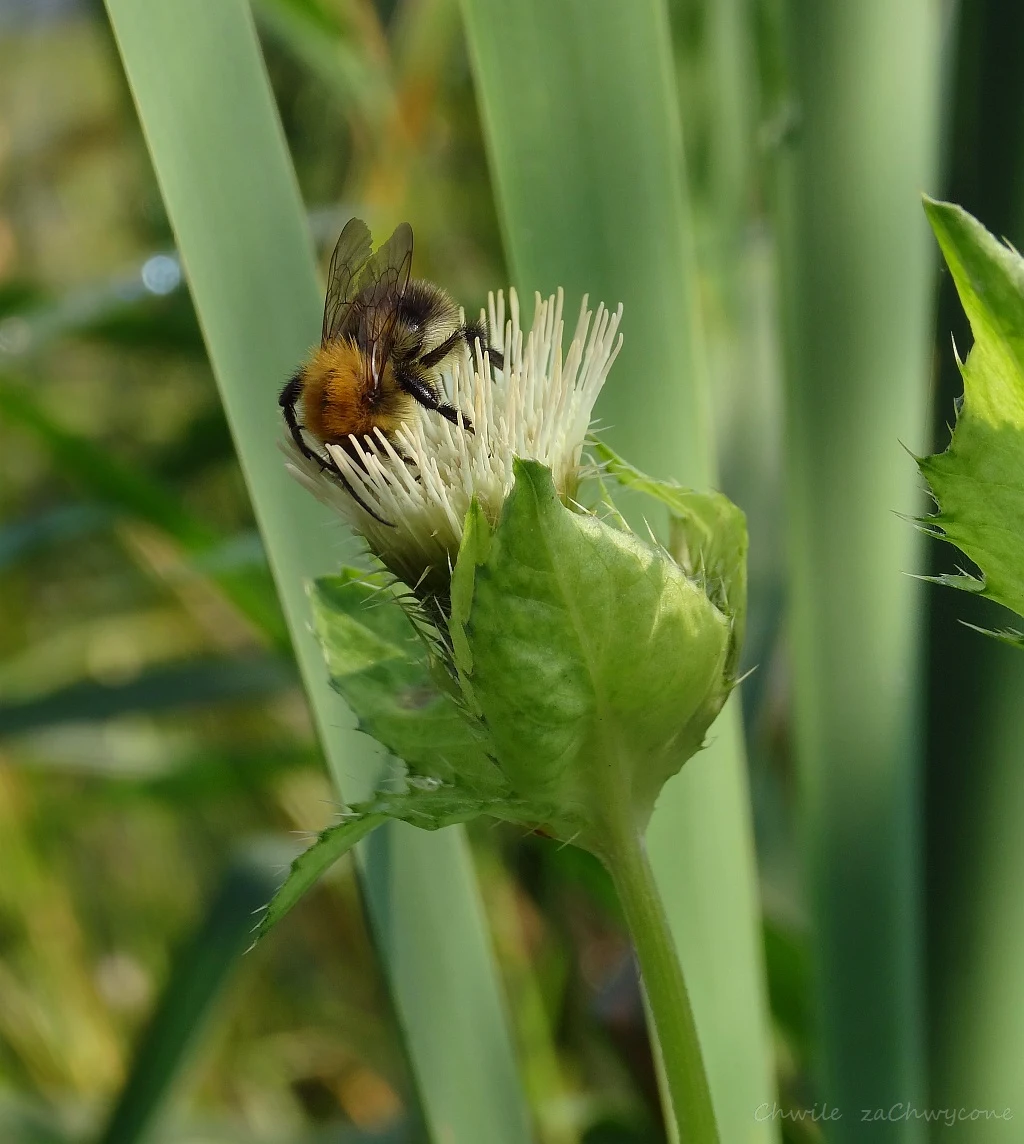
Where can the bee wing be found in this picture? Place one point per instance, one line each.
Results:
(350, 257)
(382, 283)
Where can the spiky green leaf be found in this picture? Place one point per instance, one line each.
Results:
(307, 869)
(426, 807)
(707, 537)
(978, 482)
(378, 662)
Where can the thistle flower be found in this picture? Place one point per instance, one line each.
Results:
(548, 629)
(537, 407)
(571, 668)
(549, 625)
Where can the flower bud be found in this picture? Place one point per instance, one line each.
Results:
(532, 661)
(593, 661)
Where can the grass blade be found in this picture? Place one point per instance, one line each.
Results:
(215, 139)
(585, 146)
(167, 687)
(975, 782)
(133, 492)
(858, 291)
(197, 980)
(316, 35)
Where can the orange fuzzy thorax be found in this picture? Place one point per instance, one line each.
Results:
(338, 398)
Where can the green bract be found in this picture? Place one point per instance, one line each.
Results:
(978, 482)
(579, 669)
(583, 649)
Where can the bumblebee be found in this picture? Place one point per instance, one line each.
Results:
(385, 341)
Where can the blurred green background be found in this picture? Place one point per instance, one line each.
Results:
(157, 756)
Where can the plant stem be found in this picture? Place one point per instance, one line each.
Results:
(662, 976)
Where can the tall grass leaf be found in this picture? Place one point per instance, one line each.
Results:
(975, 783)
(213, 132)
(579, 110)
(858, 291)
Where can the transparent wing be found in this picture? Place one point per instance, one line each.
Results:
(350, 257)
(381, 286)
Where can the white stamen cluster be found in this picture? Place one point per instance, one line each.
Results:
(537, 407)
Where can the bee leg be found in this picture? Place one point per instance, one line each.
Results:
(439, 353)
(346, 484)
(475, 331)
(417, 388)
(289, 395)
(452, 414)
(291, 392)
(471, 333)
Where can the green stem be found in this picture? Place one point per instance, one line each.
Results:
(626, 858)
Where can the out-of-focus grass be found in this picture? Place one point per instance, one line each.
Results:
(196, 983)
(135, 494)
(974, 781)
(859, 266)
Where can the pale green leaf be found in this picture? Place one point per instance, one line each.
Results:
(707, 536)
(427, 808)
(580, 636)
(379, 664)
(311, 864)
